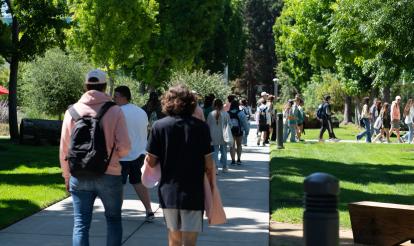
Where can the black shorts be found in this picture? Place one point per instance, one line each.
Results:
(133, 170)
(263, 128)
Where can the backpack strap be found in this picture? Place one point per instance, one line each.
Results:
(104, 109)
(75, 115)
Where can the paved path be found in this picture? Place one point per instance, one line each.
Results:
(245, 194)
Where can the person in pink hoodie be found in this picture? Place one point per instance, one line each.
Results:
(108, 187)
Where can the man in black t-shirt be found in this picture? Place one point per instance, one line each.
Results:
(181, 144)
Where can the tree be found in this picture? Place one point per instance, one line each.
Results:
(111, 33)
(53, 82)
(36, 26)
(301, 35)
(259, 18)
(227, 44)
(182, 27)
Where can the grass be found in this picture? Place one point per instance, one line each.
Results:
(370, 172)
(346, 132)
(30, 180)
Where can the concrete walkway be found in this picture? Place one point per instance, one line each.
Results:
(245, 194)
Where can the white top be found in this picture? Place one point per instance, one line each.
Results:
(217, 128)
(409, 118)
(137, 124)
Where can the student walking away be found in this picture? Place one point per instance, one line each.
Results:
(408, 119)
(375, 111)
(269, 104)
(230, 99)
(90, 162)
(263, 121)
(181, 144)
(218, 122)
(290, 125)
(153, 109)
(208, 105)
(248, 112)
(396, 117)
(324, 114)
(137, 124)
(301, 120)
(366, 119)
(384, 123)
(238, 125)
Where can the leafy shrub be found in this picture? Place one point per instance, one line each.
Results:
(202, 82)
(53, 82)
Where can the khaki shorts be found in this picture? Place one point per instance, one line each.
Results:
(183, 220)
(395, 124)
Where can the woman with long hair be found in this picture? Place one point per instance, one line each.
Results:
(386, 123)
(238, 125)
(408, 114)
(366, 119)
(218, 121)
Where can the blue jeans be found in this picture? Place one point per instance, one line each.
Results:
(367, 131)
(289, 129)
(84, 192)
(408, 137)
(222, 148)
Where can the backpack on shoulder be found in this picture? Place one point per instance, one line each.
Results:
(320, 114)
(87, 154)
(262, 116)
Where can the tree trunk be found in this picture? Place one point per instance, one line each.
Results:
(14, 66)
(347, 110)
(386, 92)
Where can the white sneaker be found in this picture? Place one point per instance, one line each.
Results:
(225, 170)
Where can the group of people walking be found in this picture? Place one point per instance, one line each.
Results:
(293, 119)
(380, 120)
(105, 141)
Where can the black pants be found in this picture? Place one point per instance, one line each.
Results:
(326, 125)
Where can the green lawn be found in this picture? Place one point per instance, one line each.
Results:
(372, 172)
(30, 179)
(346, 132)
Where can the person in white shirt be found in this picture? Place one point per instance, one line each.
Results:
(409, 117)
(137, 124)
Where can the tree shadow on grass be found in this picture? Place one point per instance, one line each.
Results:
(287, 193)
(12, 211)
(13, 156)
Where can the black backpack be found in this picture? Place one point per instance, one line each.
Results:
(262, 116)
(87, 154)
(320, 113)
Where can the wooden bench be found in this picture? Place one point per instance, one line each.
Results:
(383, 224)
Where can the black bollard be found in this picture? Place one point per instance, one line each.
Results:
(321, 218)
(279, 127)
(273, 126)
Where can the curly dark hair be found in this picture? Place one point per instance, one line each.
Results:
(178, 100)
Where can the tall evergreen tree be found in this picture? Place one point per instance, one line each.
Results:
(260, 16)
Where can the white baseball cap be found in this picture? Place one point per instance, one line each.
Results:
(397, 98)
(96, 73)
(263, 94)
